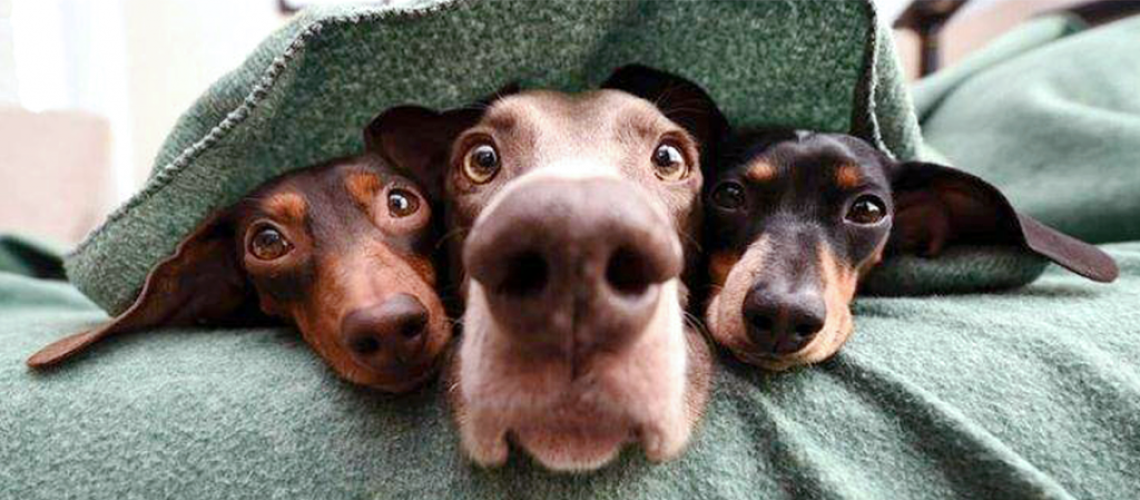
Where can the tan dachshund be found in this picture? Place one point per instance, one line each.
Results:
(573, 216)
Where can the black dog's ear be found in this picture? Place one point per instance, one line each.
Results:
(937, 206)
(678, 99)
(416, 140)
(201, 283)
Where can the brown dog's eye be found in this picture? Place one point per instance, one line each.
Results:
(729, 196)
(402, 203)
(669, 162)
(269, 244)
(867, 209)
(481, 163)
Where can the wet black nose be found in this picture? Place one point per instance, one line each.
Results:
(782, 320)
(387, 335)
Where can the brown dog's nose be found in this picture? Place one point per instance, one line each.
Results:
(573, 264)
(782, 320)
(389, 335)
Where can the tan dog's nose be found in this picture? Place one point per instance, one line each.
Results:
(574, 265)
(389, 335)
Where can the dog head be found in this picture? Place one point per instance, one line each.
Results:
(341, 250)
(796, 219)
(571, 216)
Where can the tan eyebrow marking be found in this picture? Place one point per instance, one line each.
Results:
(720, 264)
(848, 176)
(761, 171)
(363, 187)
(287, 205)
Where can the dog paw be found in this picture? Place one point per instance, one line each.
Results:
(487, 451)
(662, 444)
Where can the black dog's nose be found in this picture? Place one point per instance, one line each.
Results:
(782, 321)
(386, 335)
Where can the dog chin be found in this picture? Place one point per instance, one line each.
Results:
(567, 423)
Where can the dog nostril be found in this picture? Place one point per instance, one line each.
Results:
(761, 322)
(807, 329)
(627, 272)
(364, 345)
(527, 274)
(413, 327)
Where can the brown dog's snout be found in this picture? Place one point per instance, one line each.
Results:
(573, 263)
(390, 334)
(782, 319)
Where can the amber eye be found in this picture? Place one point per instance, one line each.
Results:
(867, 209)
(481, 163)
(402, 203)
(269, 244)
(729, 196)
(669, 163)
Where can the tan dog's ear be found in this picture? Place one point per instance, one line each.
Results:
(416, 140)
(937, 206)
(200, 284)
(681, 100)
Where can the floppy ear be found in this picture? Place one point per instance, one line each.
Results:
(201, 283)
(937, 206)
(415, 139)
(678, 99)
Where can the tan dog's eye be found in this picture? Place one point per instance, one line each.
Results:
(867, 209)
(481, 163)
(729, 196)
(669, 162)
(402, 203)
(269, 244)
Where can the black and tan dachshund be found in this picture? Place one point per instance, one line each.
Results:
(795, 219)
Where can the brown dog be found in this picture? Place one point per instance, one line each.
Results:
(795, 219)
(341, 250)
(572, 215)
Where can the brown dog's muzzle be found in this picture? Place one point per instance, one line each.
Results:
(573, 266)
(388, 336)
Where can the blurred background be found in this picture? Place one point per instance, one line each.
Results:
(89, 88)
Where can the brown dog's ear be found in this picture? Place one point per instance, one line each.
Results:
(937, 206)
(416, 140)
(201, 283)
(679, 99)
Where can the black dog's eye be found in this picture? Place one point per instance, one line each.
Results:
(481, 163)
(669, 163)
(402, 203)
(867, 209)
(729, 195)
(269, 244)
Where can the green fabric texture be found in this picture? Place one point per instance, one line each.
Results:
(306, 93)
(1026, 394)
(1051, 115)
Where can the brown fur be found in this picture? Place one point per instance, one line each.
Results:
(570, 406)
(761, 171)
(848, 177)
(355, 259)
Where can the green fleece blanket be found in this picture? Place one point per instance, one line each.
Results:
(306, 93)
(1029, 394)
